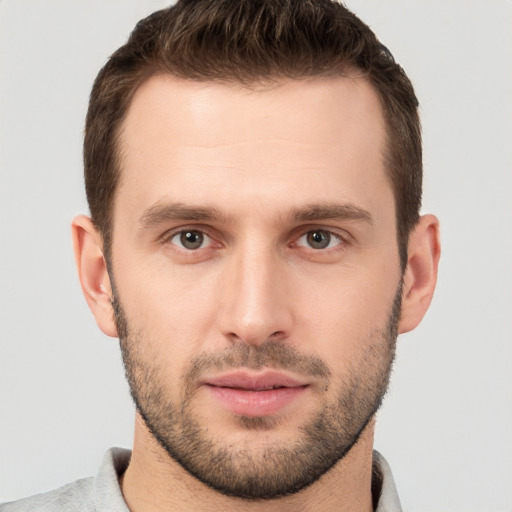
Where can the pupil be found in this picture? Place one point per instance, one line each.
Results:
(319, 239)
(191, 239)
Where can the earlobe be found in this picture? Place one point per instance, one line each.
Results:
(93, 274)
(420, 276)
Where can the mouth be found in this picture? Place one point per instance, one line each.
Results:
(253, 395)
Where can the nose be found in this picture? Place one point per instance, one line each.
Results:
(256, 304)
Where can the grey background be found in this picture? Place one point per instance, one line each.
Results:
(446, 426)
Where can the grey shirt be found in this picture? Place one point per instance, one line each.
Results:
(103, 494)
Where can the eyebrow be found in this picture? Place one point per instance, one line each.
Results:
(162, 213)
(334, 211)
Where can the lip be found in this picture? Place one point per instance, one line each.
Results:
(254, 381)
(260, 394)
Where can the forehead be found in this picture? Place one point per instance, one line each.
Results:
(204, 141)
(296, 107)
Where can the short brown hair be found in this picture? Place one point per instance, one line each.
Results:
(248, 42)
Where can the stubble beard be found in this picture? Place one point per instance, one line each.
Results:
(238, 470)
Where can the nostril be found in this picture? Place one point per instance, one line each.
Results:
(277, 334)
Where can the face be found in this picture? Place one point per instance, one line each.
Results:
(256, 275)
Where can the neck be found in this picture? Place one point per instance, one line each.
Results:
(154, 482)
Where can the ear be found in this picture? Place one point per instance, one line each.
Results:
(420, 276)
(92, 271)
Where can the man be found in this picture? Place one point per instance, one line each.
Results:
(253, 171)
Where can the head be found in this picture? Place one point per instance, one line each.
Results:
(253, 171)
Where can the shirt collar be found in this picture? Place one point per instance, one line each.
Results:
(108, 495)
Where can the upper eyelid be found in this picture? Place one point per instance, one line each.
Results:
(170, 233)
(337, 232)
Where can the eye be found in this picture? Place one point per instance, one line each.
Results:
(319, 239)
(190, 239)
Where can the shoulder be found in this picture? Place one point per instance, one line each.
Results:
(76, 496)
(99, 493)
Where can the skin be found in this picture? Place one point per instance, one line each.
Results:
(260, 158)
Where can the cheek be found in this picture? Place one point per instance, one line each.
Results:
(347, 313)
(173, 307)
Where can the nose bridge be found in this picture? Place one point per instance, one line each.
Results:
(256, 308)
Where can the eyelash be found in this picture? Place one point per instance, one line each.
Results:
(342, 240)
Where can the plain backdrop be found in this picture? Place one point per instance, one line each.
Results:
(446, 425)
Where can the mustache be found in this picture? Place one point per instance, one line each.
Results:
(271, 354)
